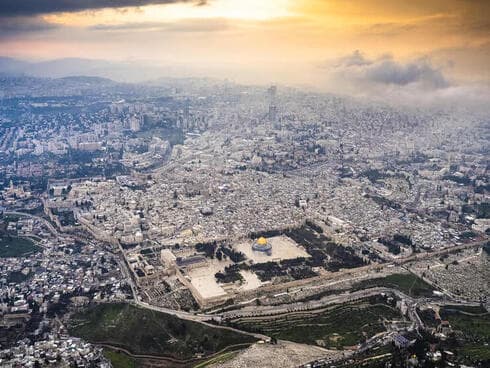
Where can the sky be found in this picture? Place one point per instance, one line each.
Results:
(338, 44)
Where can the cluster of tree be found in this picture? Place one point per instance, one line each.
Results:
(300, 273)
(404, 239)
(266, 271)
(66, 218)
(384, 202)
(229, 252)
(393, 247)
(266, 234)
(314, 226)
(468, 234)
(323, 251)
(458, 179)
(230, 274)
(209, 249)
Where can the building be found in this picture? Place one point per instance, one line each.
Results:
(272, 115)
(262, 245)
(135, 124)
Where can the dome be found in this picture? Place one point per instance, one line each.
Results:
(262, 241)
(261, 245)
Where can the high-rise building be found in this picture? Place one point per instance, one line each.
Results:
(272, 104)
(135, 124)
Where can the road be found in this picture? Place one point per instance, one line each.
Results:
(317, 305)
(257, 312)
(203, 317)
(50, 226)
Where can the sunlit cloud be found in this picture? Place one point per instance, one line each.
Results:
(265, 36)
(218, 9)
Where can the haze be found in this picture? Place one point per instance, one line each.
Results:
(284, 41)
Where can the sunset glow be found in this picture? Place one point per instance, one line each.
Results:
(262, 35)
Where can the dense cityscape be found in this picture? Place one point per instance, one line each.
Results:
(225, 204)
(242, 184)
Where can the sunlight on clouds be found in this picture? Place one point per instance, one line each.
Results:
(229, 9)
(303, 33)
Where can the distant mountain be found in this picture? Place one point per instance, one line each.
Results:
(68, 67)
(10, 66)
(56, 68)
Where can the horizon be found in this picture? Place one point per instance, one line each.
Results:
(426, 47)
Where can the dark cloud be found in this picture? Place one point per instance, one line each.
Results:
(354, 59)
(194, 25)
(387, 71)
(36, 7)
(391, 72)
(12, 26)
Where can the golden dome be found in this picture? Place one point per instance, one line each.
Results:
(262, 241)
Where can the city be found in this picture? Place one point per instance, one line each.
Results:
(184, 221)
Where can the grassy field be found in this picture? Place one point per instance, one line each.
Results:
(16, 247)
(406, 283)
(466, 309)
(142, 331)
(475, 352)
(477, 326)
(473, 322)
(120, 360)
(337, 327)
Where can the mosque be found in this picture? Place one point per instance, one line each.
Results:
(262, 245)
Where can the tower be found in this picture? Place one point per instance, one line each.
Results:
(272, 103)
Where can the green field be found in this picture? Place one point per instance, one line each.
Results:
(466, 309)
(120, 360)
(406, 283)
(476, 326)
(475, 352)
(11, 246)
(337, 327)
(470, 323)
(146, 332)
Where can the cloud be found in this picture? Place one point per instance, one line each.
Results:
(391, 72)
(36, 7)
(354, 59)
(193, 25)
(12, 26)
(388, 29)
(414, 82)
(387, 71)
